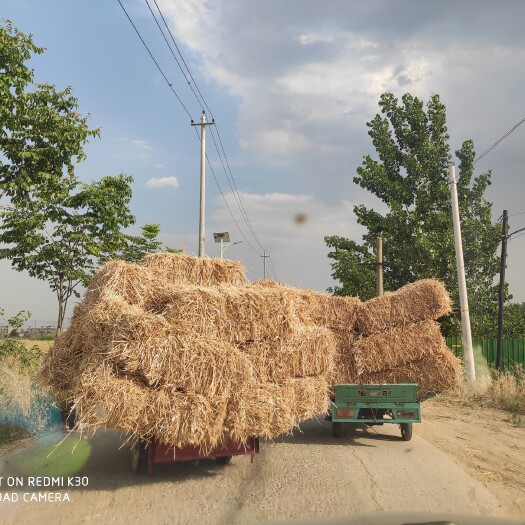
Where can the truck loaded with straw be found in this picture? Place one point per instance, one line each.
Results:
(184, 351)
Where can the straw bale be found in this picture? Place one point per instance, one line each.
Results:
(344, 370)
(307, 351)
(179, 268)
(333, 312)
(322, 309)
(189, 364)
(132, 282)
(269, 409)
(400, 345)
(107, 400)
(311, 397)
(231, 313)
(419, 301)
(435, 372)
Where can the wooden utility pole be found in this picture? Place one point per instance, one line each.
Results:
(379, 266)
(501, 298)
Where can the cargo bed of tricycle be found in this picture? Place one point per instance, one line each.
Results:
(145, 455)
(376, 405)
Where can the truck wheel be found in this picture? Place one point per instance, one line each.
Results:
(337, 429)
(223, 460)
(69, 415)
(139, 457)
(406, 431)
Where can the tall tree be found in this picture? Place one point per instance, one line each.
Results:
(410, 179)
(41, 132)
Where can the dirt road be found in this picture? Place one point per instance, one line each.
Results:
(308, 474)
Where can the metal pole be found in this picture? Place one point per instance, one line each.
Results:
(462, 284)
(221, 247)
(264, 256)
(379, 266)
(503, 265)
(202, 208)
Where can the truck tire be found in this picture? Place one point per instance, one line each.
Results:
(223, 460)
(406, 431)
(139, 457)
(337, 429)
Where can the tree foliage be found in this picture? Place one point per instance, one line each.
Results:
(410, 179)
(41, 132)
(61, 238)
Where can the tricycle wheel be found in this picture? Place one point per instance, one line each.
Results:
(406, 431)
(223, 460)
(139, 457)
(337, 429)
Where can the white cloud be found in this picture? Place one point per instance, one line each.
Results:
(142, 144)
(297, 247)
(162, 182)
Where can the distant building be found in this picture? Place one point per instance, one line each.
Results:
(5, 330)
(33, 331)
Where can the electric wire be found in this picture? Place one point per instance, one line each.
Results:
(224, 199)
(183, 61)
(499, 140)
(228, 172)
(153, 58)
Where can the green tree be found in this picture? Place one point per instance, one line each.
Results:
(63, 237)
(514, 321)
(41, 132)
(414, 216)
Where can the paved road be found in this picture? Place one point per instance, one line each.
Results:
(307, 474)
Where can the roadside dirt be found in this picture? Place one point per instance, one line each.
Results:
(486, 442)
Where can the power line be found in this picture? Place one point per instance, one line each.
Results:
(225, 201)
(499, 140)
(153, 58)
(183, 61)
(200, 98)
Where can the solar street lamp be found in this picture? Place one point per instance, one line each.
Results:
(224, 237)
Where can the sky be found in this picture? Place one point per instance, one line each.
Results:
(291, 86)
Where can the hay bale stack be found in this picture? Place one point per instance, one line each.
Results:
(182, 350)
(149, 353)
(413, 303)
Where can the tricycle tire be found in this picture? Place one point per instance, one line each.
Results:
(139, 457)
(406, 431)
(223, 460)
(337, 429)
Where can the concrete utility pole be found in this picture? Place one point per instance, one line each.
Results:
(202, 212)
(468, 354)
(264, 256)
(379, 266)
(503, 265)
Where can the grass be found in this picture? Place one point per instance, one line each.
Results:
(503, 390)
(44, 345)
(9, 434)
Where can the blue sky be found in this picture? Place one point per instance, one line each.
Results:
(291, 86)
